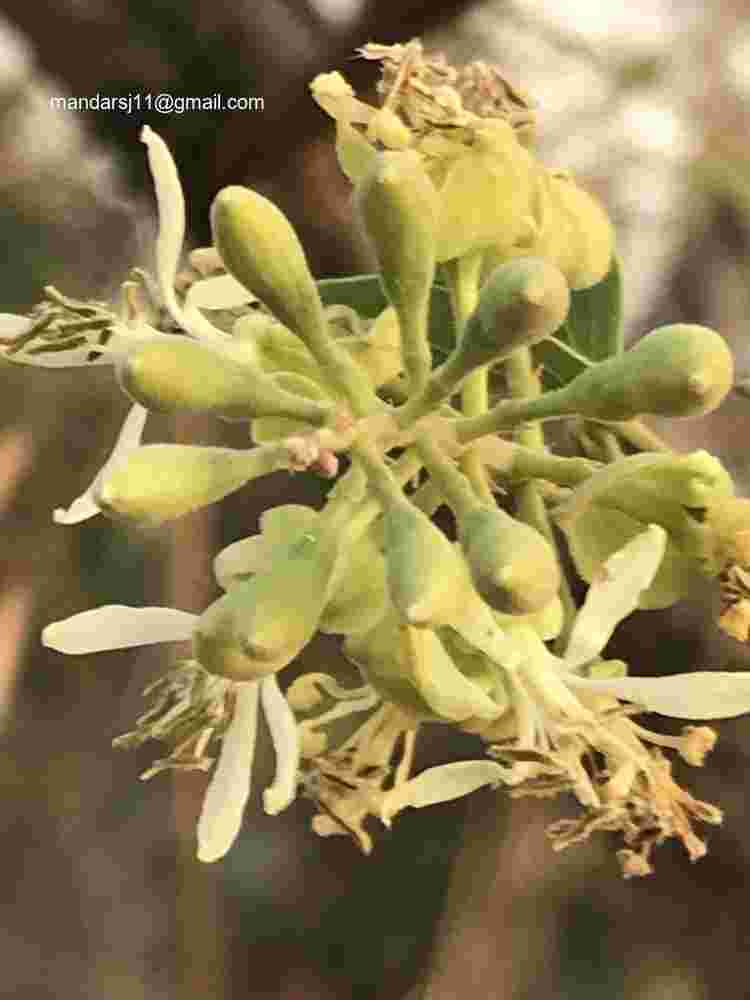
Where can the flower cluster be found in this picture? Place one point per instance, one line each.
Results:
(442, 632)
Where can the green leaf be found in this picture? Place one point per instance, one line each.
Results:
(364, 293)
(592, 332)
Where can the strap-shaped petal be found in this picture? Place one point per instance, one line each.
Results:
(171, 205)
(700, 695)
(441, 784)
(171, 235)
(286, 744)
(129, 438)
(229, 789)
(117, 626)
(615, 595)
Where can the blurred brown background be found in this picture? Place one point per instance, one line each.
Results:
(101, 896)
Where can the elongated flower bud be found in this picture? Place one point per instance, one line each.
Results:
(289, 599)
(512, 565)
(263, 623)
(358, 592)
(187, 376)
(426, 579)
(681, 370)
(261, 250)
(259, 247)
(158, 482)
(399, 204)
(522, 302)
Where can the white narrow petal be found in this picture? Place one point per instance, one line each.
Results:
(171, 205)
(700, 695)
(220, 292)
(13, 325)
(624, 576)
(286, 744)
(441, 784)
(229, 789)
(171, 235)
(117, 626)
(128, 440)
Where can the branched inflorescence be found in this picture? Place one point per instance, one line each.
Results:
(457, 208)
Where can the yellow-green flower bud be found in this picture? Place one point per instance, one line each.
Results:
(185, 375)
(359, 592)
(399, 205)
(522, 302)
(259, 247)
(675, 371)
(289, 599)
(514, 568)
(263, 622)
(158, 482)
(426, 576)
